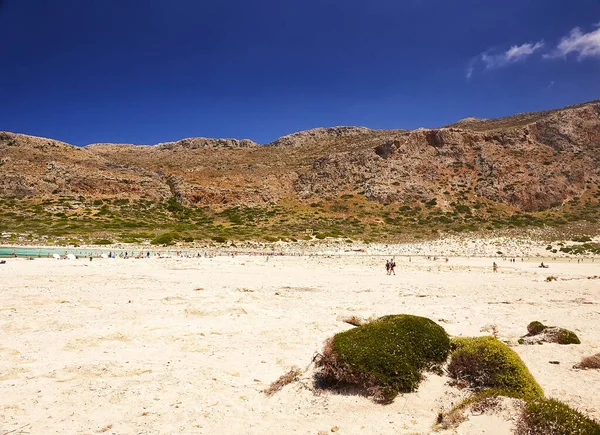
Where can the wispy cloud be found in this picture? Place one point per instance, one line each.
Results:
(516, 53)
(579, 43)
(470, 72)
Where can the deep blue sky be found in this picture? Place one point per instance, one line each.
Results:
(146, 71)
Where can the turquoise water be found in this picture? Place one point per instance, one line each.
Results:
(47, 252)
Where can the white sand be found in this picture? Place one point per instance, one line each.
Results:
(186, 346)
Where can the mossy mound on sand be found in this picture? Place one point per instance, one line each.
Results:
(384, 357)
(538, 333)
(564, 336)
(551, 417)
(486, 363)
(535, 328)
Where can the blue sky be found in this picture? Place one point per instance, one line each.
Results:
(130, 71)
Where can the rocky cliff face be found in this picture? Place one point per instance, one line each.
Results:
(530, 161)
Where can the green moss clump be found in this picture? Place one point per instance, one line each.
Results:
(551, 417)
(384, 357)
(487, 363)
(535, 328)
(567, 337)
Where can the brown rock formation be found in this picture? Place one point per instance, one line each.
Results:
(529, 161)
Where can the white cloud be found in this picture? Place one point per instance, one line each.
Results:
(469, 72)
(577, 42)
(514, 54)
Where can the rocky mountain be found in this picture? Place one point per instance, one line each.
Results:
(529, 162)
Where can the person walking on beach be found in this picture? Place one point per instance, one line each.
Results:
(392, 266)
(495, 267)
(387, 267)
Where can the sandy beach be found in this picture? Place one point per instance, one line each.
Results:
(187, 345)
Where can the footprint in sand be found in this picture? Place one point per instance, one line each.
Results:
(108, 369)
(198, 312)
(80, 344)
(174, 300)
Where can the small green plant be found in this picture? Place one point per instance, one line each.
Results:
(384, 357)
(551, 417)
(485, 363)
(535, 328)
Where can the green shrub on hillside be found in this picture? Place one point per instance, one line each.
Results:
(551, 417)
(384, 357)
(102, 242)
(486, 363)
(164, 239)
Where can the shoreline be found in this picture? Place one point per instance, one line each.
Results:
(452, 247)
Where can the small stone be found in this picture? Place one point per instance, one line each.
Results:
(335, 429)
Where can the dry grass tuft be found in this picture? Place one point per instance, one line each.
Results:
(106, 428)
(288, 378)
(589, 362)
(486, 404)
(551, 278)
(354, 320)
(451, 420)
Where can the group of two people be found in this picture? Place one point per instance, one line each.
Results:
(390, 265)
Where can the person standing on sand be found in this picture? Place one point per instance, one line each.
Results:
(392, 266)
(495, 267)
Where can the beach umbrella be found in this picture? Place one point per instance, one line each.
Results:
(56, 256)
(103, 255)
(71, 257)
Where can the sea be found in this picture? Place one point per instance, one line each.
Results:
(27, 251)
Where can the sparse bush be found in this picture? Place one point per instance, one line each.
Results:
(102, 242)
(589, 362)
(551, 417)
(164, 239)
(535, 328)
(582, 239)
(384, 357)
(486, 363)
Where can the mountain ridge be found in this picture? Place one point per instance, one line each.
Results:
(527, 163)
